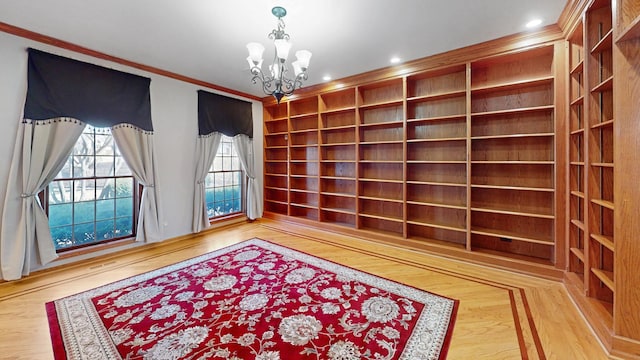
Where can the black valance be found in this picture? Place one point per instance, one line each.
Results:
(217, 113)
(63, 87)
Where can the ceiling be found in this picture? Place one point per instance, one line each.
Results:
(205, 39)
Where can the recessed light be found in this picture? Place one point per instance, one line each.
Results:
(534, 23)
(395, 60)
(326, 78)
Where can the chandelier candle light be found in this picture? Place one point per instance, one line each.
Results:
(276, 83)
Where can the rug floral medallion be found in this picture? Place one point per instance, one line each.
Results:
(253, 300)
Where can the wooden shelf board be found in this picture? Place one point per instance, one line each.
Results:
(282, 118)
(606, 241)
(338, 110)
(380, 231)
(510, 235)
(388, 103)
(511, 212)
(630, 32)
(436, 162)
(276, 201)
(275, 161)
(436, 242)
(381, 142)
(519, 188)
(436, 183)
(577, 101)
(514, 257)
(410, 141)
(380, 217)
(604, 165)
(444, 95)
(578, 132)
(577, 163)
(339, 210)
(577, 223)
(338, 161)
(397, 124)
(602, 124)
(344, 195)
(334, 128)
(508, 136)
(603, 203)
(306, 206)
(606, 277)
(392, 181)
(303, 145)
(605, 85)
(303, 191)
(579, 253)
(516, 110)
(303, 161)
(515, 162)
(438, 118)
(298, 116)
(313, 130)
(340, 223)
(435, 225)
(346, 178)
(604, 44)
(577, 193)
(338, 144)
(364, 161)
(274, 174)
(276, 147)
(440, 205)
(374, 198)
(273, 134)
(513, 84)
(578, 68)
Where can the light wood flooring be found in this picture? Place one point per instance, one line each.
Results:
(501, 315)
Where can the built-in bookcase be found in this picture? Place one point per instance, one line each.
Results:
(461, 157)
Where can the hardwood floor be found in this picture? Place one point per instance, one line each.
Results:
(501, 315)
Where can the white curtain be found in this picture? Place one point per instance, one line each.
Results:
(244, 148)
(206, 150)
(136, 147)
(39, 154)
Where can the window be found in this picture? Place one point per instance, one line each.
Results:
(93, 199)
(224, 184)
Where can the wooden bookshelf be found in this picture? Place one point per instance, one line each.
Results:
(512, 154)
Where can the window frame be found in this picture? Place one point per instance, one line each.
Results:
(136, 190)
(243, 184)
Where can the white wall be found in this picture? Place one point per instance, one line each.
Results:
(174, 110)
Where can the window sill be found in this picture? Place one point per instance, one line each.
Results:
(95, 248)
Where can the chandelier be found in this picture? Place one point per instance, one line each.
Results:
(276, 82)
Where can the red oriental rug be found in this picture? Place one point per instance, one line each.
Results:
(253, 300)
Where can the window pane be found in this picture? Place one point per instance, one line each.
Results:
(60, 192)
(84, 212)
(124, 226)
(84, 145)
(217, 164)
(105, 209)
(104, 144)
(124, 207)
(62, 236)
(105, 189)
(60, 214)
(124, 187)
(104, 229)
(84, 190)
(104, 166)
(83, 166)
(83, 234)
